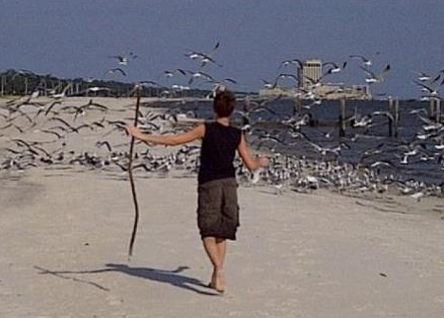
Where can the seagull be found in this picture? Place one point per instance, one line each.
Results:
(324, 150)
(268, 137)
(376, 78)
(296, 62)
(285, 75)
(203, 58)
(63, 93)
(256, 175)
(269, 85)
(383, 113)
(335, 68)
(313, 83)
(124, 60)
(423, 77)
(432, 91)
(46, 131)
(362, 122)
(97, 89)
(200, 75)
(172, 73)
(149, 84)
(229, 80)
(384, 163)
(366, 62)
(12, 125)
(116, 70)
(104, 143)
(295, 123)
(417, 195)
(180, 87)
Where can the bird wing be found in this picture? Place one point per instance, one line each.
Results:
(367, 71)
(359, 57)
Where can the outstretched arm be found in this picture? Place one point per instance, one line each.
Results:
(169, 140)
(251, 163)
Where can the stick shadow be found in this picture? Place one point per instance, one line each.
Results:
(172, 277)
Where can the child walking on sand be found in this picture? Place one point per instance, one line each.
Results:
(218, 210)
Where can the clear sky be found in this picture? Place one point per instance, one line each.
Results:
(76, 38)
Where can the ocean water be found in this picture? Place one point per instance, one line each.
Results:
(425, 166)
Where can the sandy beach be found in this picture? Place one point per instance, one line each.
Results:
(65, 232)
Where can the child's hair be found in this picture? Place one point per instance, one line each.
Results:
(224, 102)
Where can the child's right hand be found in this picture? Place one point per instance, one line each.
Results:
(263, 162)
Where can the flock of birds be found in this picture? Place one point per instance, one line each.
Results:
(60, 135)
(56, 123)
(173, 81)
(288, 70)
(203, 60)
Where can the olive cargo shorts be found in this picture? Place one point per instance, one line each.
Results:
(218, 210)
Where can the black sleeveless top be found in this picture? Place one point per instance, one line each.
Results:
(217, 153)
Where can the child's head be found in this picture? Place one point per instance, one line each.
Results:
(224, 102)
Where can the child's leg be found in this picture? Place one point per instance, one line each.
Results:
(221, 249)
(212, 250)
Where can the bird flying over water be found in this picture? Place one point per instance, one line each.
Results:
(296, 62)
(203, 58)
(334, 67)
(365, 61)
(124, 60)
(174, 72)
(376, 78)
(116, 71)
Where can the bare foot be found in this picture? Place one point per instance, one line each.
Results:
(219, 281)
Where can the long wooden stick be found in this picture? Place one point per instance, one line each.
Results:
(130, 171)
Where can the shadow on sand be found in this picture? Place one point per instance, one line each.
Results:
(172, 277)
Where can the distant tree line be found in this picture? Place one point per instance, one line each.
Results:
(22, 82)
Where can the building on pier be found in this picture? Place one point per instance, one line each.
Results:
(311, 85)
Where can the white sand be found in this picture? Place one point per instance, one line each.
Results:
(64, 240)
(318, 255)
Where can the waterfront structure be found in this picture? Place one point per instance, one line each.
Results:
(309, 73)
(339, 91)
(310, 81)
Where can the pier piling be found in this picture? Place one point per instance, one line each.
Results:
(297, 109)
(435, 109)
(396, 116)
(342, 117)
(390, 118)
(432, 108)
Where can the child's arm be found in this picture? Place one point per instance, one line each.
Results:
(169, 140)
(251, 163)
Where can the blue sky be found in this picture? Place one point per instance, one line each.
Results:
(76, 38)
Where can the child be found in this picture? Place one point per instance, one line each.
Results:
(218, 210)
